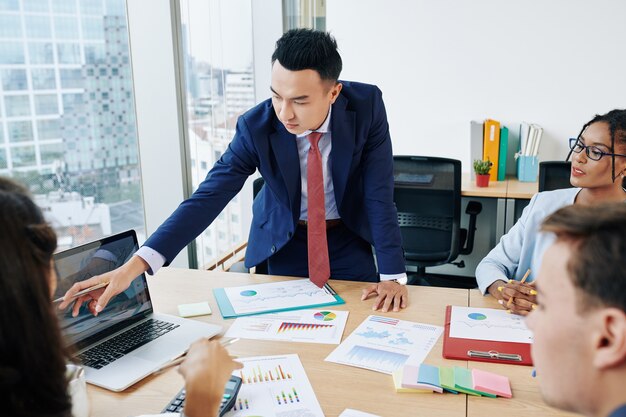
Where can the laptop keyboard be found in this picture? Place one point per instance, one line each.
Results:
(118, 346)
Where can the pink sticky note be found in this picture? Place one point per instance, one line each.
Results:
(492, 383)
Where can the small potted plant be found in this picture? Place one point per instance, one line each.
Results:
(482, 168)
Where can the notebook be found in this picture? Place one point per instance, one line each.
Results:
(127, 341)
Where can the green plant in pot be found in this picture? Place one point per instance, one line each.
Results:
(482, 168)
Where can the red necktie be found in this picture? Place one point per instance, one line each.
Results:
(319, 265)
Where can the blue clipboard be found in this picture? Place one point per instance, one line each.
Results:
(228, 312)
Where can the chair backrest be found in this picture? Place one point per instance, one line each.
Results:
(554, 175)
(257, 185)
(427, 193)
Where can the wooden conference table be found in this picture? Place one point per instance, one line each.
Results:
(337, 386)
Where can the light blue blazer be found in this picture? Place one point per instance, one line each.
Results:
(523, 246)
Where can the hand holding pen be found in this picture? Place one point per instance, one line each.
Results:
(518, 297)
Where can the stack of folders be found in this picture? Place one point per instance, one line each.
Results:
(428, 379)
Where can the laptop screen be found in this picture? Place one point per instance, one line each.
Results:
(91, 259)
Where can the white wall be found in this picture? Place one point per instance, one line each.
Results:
(442, 63)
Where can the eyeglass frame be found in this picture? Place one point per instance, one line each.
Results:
(574, 141)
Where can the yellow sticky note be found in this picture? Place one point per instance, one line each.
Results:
(194, 309)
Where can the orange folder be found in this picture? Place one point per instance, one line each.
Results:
(491, 146)
(457, 348)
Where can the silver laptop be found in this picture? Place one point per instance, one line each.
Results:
(127, 341)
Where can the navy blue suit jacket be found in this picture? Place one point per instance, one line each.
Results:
(362, 172)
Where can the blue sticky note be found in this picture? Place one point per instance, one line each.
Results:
(428, 374)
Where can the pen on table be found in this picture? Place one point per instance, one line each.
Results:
(83, 292)
(508, 304)
(181, 358)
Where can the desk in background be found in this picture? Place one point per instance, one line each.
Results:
(337, 386)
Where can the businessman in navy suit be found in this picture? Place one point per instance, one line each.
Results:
(324, 150)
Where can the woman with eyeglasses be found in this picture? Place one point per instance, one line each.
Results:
(32, 353)
(598, 169)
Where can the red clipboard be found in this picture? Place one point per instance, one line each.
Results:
(457, 348)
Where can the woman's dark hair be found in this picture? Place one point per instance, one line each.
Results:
(301, 49)
(597, 263)
(616, 120)
(32, 353)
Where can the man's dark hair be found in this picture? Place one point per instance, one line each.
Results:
(597, 265)
(301, 49)
(616, 119)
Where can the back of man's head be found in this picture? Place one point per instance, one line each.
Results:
(597, 264)
(301, 49)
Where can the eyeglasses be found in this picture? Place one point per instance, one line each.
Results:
(593, 152)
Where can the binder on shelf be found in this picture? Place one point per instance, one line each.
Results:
(491, 146)
(504, 148)
(483, 350)
(514, 149)
(527, 168)
(476, 144)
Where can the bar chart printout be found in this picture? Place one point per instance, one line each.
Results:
(274, 386)
(307, 326)
(385, 344)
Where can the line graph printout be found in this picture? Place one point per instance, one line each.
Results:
(275, 296)
(311, 326)
(385, 344)
(488, 324)
(274, 386)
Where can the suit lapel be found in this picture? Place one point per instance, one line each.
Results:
(286, 152)
(342, 125)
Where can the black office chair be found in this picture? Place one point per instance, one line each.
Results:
(554, 175)
(427, 193)
(257, 185)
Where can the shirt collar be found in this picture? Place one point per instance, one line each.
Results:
(324, 128)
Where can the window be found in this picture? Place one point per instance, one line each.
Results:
(304, 14)
(13, 79)
(41, 53)
(43, 79)
(10, 26)
(50, 126)
(46, 104)
(218, 55)
(16, 106)
(20, 131)
(38, 27)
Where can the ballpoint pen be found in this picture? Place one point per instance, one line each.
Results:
(182, 357)
(83, 292)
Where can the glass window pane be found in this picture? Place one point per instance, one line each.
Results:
(38, 27)
(72, 102)
(51, 152)
(35, 5)
(43, 79)
(3, 158)
(20, 131)
(46, 104)
(65, 27)
(41, 53)
(64, 6)
(49, 129)
(219, 87)
(68, 53)
(17, 106)
(23, 156)
(13, 79)
(116, 7)
(71, 78)
(10, 26)
(11, 53)
(93, 28)
(91, 7)
(10, 5)
(94, 53)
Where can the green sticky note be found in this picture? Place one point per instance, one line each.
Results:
(463, 383)
(446, 379)
(194, 309)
